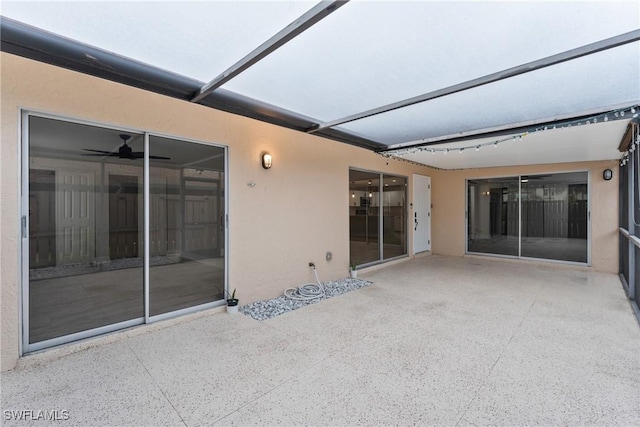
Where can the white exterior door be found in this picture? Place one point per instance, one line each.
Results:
(421, 215)
(75, 209)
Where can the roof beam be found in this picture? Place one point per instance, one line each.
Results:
(306, 21)
(36, 44)
(619, 40)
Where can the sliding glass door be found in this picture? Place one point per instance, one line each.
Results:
(393, 205)
(535, 216)
(104, 250)
(186, 225)
(364, 218)
(377, 216)
(493, 216)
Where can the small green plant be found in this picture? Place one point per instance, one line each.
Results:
(354, 267)
(232, 302)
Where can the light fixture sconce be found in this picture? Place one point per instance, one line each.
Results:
(267, 160)
(607, 174)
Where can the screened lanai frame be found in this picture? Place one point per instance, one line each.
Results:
(24, 343)
(409, 83)
(629, 227)
(519, 256)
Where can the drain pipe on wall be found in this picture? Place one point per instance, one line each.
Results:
(308, 291)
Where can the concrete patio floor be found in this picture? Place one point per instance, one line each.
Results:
(435, 340)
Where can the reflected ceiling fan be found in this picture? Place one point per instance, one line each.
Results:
(526, 178)
(124, 152)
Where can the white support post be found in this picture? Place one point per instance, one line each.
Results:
(631, 280)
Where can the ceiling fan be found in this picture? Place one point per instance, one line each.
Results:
(124, 152)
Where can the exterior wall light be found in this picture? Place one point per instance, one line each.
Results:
(267, 160)
(607, 174)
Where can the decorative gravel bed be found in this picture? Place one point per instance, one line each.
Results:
(263, 310)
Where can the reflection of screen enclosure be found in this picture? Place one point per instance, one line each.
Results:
(537, 216)
(87, 231)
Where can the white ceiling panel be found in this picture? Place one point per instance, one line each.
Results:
(198, 39)
(575, 144)
(608, 78)
(369, 54)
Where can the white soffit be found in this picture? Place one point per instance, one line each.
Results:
(197, 39)
(574, 144)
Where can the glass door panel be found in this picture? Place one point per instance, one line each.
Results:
(85, 257)
(623, 218)
(493, 218)
(364, 219)
(186, 216)
(554, 216)
(394, 196)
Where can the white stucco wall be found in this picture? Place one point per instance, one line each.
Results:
(297, 211)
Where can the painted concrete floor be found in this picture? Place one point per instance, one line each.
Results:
(434, 341)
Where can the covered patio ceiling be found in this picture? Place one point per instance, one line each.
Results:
(446, 84)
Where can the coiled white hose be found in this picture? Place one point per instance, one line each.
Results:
(306, 292)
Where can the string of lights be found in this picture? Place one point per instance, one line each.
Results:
(619, 114)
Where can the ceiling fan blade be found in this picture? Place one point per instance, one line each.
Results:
(105, 154)
(132, 155)
(98, 151)
(140, 155)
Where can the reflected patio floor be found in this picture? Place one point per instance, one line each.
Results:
(65, 305)
(553, 248)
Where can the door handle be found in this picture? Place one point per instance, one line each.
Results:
(415, 220)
